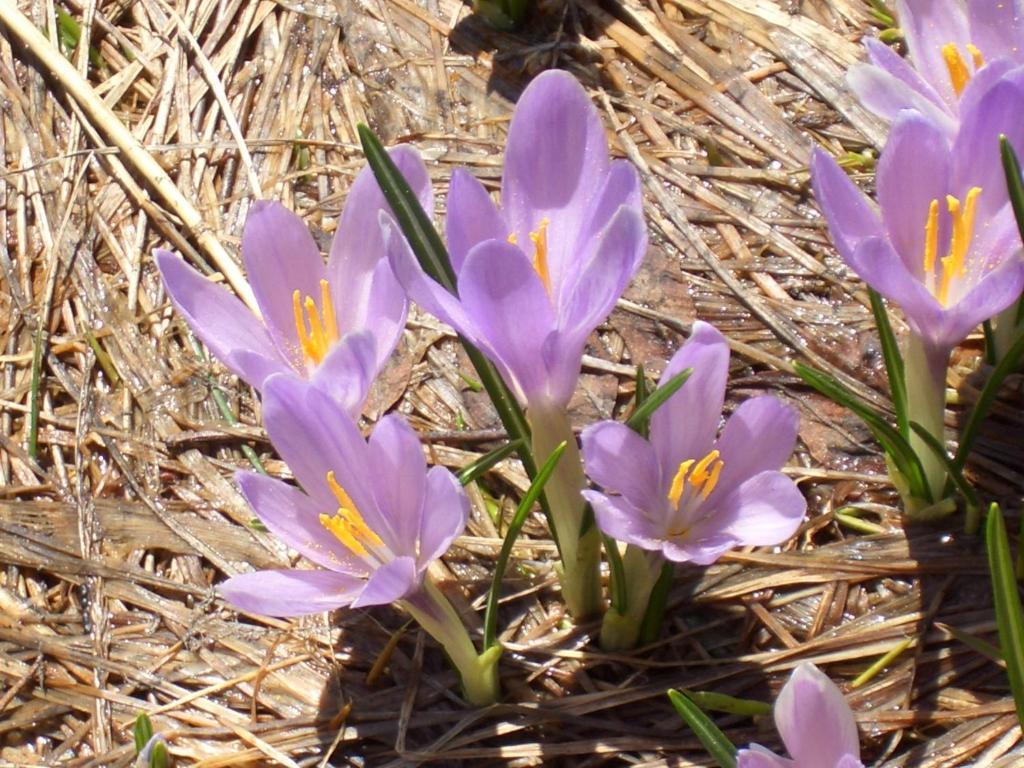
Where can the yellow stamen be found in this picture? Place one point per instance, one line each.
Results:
(704, 477)
(540, 253)
(958, 73)
(317, 328)
(700, 472)
(954, 264)
(675, 493)
(512, 239)
(976, 57)
(931, 237)
(712, 482)
(347, 524)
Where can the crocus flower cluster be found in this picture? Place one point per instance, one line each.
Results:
(534, 279)
(815, 723)
(943, 243)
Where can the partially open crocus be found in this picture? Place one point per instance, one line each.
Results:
(335, 323)
(688, 494)
(370, 514)
(944, 244)
(956, 51)
(815, 723)
(535, 277)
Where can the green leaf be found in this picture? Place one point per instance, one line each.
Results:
(531, 497)
(472, 471)
(142, 732)
(654, 614)
(1009, 614)
(986, 397)
(893, 443)
(617, 580)
(159, 757)
(894, 365)
(642, 393)
(640, 417)
(955, 472)
(1014, 183)
(719, 702)
(715, 742)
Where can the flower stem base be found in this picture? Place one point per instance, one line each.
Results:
(926, 404)
(438, 617)
(620, 630)
(575, 531)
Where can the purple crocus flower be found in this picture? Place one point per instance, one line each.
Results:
(685, 493)
(336, 323)
(370, 513)
(536, 277)
(957, 52)
(944, 244)
(815, 723)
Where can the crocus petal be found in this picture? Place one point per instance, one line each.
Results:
(993, 293)
(445, 512)
(699, 550)
(684, 427)
(252, 366)
(281, 257)
(850, 217)
(814, 720)
(912, 172)
(885, 95)
(421, 288)
(760, 435)
(314, 436)
(604, 276)
(391, 582)
(387, 307)
(472, 217)
(621, 188)
(221, 321)
(886, 59)
(504, 294)
(622, 462)
(877, 264)
(398, 479)
(347, 372)
(290, 592)
(363, 295)
(927, 27)
(555, 161)
(997, 27)
(294, 518)
(762, 511)
(977, 160)
(759, 757)
(625, 522)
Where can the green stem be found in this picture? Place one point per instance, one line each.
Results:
(479, 671)
(621, 630)
(578, 539)
(926, 404)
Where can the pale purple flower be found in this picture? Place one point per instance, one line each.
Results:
(535, 277)
(815, 723)
(957, 51)
(336, 324)
(685, 493)
(944, 244)
(369, 514)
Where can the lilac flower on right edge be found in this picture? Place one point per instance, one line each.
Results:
(685, 493)
(815, 723)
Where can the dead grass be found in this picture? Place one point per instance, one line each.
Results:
(113, 534)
